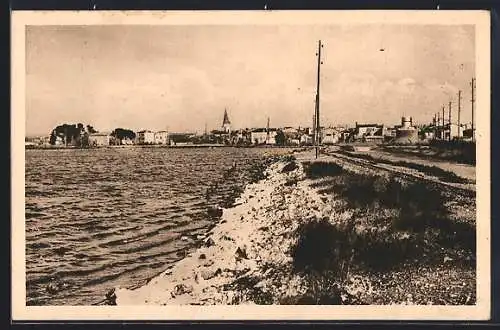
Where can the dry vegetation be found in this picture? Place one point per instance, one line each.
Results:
(400, 241)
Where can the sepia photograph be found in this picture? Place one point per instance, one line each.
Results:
(176, 164)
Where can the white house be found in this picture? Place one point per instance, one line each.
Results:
(161, 137)
(145, 137)
(99, 139)
(261, 136)
(329, 136)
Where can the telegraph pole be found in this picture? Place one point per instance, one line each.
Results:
(442, 118)
(439, 123)
(317, 123)
(473, 90)
(435, 126)
(314, 124)
(267, 131)
(458, 119)
(449, 120)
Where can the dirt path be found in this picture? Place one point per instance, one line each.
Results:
(373, 161)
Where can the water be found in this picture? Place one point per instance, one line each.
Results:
(100, 218)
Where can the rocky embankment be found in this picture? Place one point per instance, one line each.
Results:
(244, 257)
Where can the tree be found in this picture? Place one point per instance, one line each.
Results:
(280, 138)
(53, 137)
(71, 134)
(91, 129)
(122, 134)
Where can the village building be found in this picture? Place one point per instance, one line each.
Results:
(330, 135)
(145, 137)
(179, 139)
(99, 139)
(345, 134)
(127, 141)
(263, 136)
(161, 137)
(406, 133)
(368, 133)
(453, 131)
(306, 139)
(290, 130)
(59, 141)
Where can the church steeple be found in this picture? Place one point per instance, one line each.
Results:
(226, 124)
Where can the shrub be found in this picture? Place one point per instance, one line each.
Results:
(289, 167)
(322, 254)
(321, 169)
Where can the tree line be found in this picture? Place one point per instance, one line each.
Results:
(78, 134)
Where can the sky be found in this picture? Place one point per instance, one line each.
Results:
(181, 78)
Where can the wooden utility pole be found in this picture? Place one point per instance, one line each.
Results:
(442, 130)
(267, 131)
(442, 117)
(435, 126)
(314, 125)
(449, 120)
(458, 117)
(317, 123)
(473, 92)
(438, 125)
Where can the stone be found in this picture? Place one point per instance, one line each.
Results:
(208, 242)
(241, 253)
(207, 274)
(215, 211)
(181, 289)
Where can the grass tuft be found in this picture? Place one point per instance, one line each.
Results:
(320, 169)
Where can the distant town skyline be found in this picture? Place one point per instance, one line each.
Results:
(181, 78)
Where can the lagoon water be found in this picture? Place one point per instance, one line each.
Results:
(99, 218)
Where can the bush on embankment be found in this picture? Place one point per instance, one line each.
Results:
(393, 224)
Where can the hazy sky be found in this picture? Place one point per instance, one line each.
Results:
(181, 77)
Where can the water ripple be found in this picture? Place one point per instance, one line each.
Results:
(96, 219)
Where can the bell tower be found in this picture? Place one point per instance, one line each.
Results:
(226, 124)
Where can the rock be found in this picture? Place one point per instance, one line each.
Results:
(208, 242)
(215, 211)
(53, 287)
(181, 289)
(241, 253)
(202, 256)
(208, 263)
(111, 297)
(446, 259)
(184, 238)
(207, 274)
